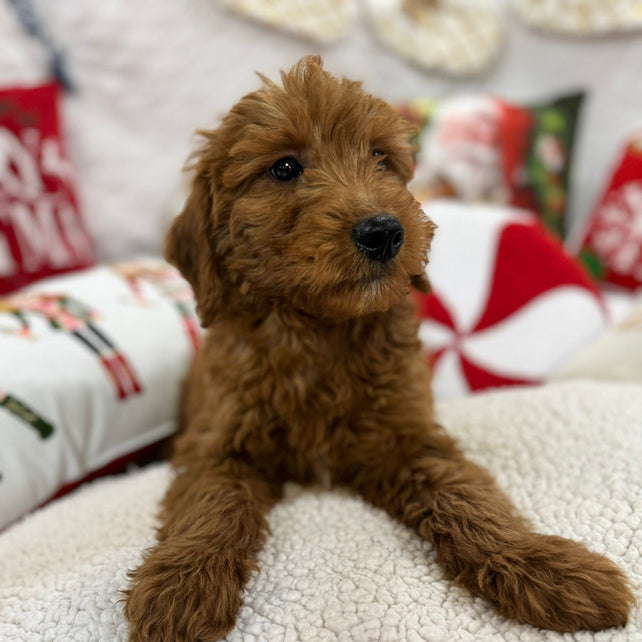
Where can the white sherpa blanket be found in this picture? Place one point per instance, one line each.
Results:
(335, 568)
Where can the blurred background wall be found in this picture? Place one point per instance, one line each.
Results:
(147, 73)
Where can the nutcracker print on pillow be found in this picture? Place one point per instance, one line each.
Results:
(170, 284)
(69, 315)
(41, 229)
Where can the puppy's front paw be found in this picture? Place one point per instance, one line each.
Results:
(174, 600)
(558, 584)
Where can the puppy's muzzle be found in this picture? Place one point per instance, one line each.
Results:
(378, 237)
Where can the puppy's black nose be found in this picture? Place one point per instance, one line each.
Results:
(379, 237)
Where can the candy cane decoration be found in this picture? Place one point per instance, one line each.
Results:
(71, 316)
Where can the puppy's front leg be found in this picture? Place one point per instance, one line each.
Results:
(547, 581)
(188, 588)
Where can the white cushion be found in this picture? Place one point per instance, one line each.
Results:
(334, 568)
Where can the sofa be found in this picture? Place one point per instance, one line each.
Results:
(536, 358)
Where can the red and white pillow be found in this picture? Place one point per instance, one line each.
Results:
(90, 375)
(42, 231)
(507, 305)
(612, 247)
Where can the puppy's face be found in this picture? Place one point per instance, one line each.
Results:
(300, 198)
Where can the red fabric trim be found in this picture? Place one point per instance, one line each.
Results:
(142, 455)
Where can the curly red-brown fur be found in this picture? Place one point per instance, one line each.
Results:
(312, 371)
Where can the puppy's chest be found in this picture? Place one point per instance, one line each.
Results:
(307, 388)
(312, 403)
(314, 382)
(303, 384)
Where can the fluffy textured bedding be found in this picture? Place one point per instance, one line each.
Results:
(334, 568)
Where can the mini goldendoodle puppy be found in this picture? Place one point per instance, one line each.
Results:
(301, 242)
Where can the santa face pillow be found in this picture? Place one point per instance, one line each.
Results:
(41, 229)
(481, 149)
(507, 305)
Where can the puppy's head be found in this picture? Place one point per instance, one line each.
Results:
(300, 199)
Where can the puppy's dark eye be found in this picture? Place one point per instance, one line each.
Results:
(380, 156)
(286, 169)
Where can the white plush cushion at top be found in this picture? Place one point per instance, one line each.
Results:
(335, 568)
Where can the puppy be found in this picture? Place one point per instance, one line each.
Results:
(301, 242)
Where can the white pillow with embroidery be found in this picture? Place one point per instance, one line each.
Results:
(90, 375)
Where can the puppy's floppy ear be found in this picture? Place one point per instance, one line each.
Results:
(190, 247)
(399, 144)
(420, 282)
